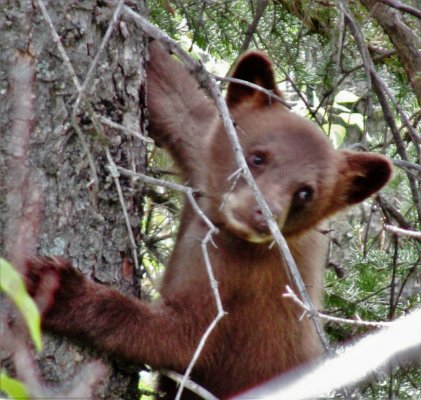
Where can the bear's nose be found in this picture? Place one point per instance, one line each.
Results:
(259, 219)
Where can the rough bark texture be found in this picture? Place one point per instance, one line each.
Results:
(406, 41)
(77, 222)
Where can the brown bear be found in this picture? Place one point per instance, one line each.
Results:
(303, 179)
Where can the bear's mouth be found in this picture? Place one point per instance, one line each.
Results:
(241, 227)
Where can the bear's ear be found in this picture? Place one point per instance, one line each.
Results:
(361, 175)
(254, 67)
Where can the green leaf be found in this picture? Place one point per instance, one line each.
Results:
(353, 119)
(346, 97)
(12, 387)
(12, 284)
(336, 132)
(340, 107)
(146, 386)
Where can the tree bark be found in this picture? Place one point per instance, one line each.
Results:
(79, 220)
(405, 40)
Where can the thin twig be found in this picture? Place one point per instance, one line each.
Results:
(389, 209)
(76, 82)
(268, 93)
(289, 294)
(60, 47)
(403, 232)
(101, 48)
(261, 5)
(416, 139)
(406, 164)
(393, 301)
(88, 78)
(92, 67)
(114, 173)
(189, 384)
(309, 108)
(125, 130)
(220, 314)
(292, 268)
(190, 192)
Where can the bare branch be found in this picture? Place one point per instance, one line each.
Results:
(289, 294)
(60, 47)
(261, 5)
(88, 78)
(101, 49)
(114, 173)
(401, 339)
(268, 93)
(190, 192)
(81, 92)
(125, 130)
(76, 82)
(402, 7)
(189, 384)
(406, 164)
(220, 314)
(389, 209)
(403, 232)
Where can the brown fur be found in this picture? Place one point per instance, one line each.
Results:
(303, 179)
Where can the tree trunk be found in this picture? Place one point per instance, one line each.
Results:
(79, 219)
(406, 41)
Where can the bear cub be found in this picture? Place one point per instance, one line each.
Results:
(303, 179)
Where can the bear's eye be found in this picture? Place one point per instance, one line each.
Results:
(304, 194)
(257, 159)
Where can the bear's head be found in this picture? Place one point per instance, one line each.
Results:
(301, 176)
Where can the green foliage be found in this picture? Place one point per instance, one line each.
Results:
(346, 97)
(341, 112)
(336, 133)
(146, 386)
(12, 285)
(12, 387)
(379, 281)
(160, 222)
